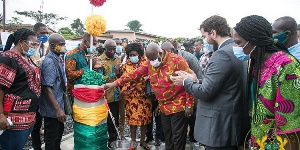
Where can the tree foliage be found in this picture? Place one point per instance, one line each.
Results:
(134, 25)
(66, 32)
(180, 40)
(157, 40)
(78, 27)
(49, 19)
(15, 22)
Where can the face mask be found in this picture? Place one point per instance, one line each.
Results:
(134, 59)
(109, 54)
(119, 49)
(61, 49)
(155, 63)
(281, 36)
(294, 50)
(208, 47)
(240, 54)
(43, 39)
(91, 50)
(30, 51)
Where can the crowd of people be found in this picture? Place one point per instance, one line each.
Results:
(232, 88)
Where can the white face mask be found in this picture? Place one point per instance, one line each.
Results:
(155, 63)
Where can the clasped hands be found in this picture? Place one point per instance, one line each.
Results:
(181, 75)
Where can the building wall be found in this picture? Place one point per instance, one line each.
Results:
(129, 35)
(140, 36)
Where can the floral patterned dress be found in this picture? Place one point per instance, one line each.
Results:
(138, 108)
(278, 108)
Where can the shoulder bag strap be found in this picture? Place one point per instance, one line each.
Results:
(60, 73)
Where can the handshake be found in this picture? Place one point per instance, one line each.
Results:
(181, 75)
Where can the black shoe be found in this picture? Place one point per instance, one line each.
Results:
(157, 142)
(149, 140)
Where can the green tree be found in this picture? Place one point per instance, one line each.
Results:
(157, 40)
(78, 27)
(134, 25)
(15, 22)
(49, 19)
(66, 32)
(180, 40)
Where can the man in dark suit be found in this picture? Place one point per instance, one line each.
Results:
(222, 119)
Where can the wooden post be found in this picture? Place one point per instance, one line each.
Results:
(4, 15)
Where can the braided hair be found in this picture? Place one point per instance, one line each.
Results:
(20, 34)
(258, 31)
(134, 47)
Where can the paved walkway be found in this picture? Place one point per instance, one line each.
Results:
(68, 143)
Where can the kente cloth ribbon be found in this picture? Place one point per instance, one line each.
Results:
(88, 95)
(90, 116)
(90, 137)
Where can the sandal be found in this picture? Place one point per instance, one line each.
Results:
(145, 147)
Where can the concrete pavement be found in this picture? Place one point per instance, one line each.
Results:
(68, 143)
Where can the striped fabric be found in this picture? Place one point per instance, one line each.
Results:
(90, 123)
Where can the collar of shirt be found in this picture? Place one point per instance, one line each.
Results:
(81, 51)
(54, 56)
(222, 43)
(165, 57)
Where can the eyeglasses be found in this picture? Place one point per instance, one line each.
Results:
(34, 44)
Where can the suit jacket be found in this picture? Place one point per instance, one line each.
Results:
(222, 111)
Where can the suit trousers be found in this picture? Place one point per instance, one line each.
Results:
(112, 132)
(192, 120)
(175, 130)
(53, 133)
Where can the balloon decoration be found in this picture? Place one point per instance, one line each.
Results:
(97, 3)
(95, 25)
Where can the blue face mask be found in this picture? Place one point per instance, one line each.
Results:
(208, 47)
(134, 59)
(43, 39)
(30, 51)
(281, 36)
(240, 54)
(294, 50)
(91, 50)
(119, 49)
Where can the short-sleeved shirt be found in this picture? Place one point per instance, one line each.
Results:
(20, 80)
(51, 78)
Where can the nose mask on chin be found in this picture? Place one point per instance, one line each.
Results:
(109, 54)
(155, 63)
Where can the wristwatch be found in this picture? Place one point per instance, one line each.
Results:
(189, 107)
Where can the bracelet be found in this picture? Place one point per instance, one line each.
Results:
(189, 107)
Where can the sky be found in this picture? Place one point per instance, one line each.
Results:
(169, 18)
